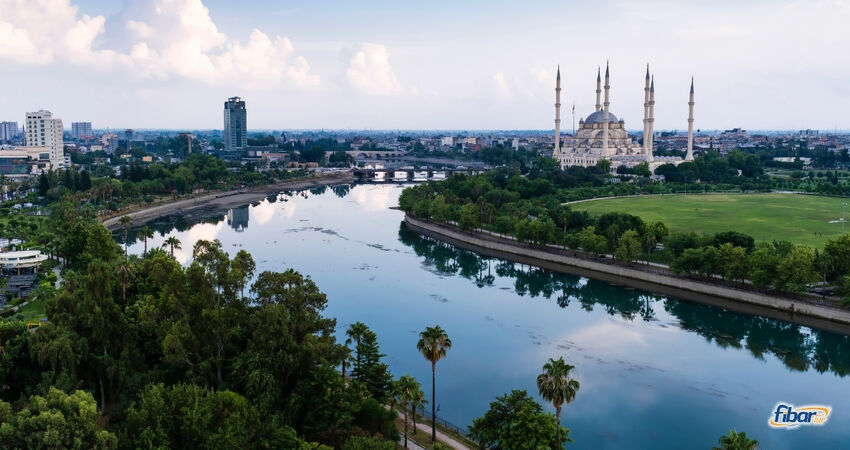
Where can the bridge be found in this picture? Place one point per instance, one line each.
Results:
(405, 174)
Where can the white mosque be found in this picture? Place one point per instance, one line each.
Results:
(603, 136)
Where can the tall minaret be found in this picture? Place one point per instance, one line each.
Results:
(651, 117)
(605, 116)
(690, 155)
(598, 88)
(646, 152)
(558, 111)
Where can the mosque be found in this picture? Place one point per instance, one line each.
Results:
(601, 135)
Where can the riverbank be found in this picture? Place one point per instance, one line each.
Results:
(646, 278)
(227, 199)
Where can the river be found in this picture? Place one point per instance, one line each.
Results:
(655, 372)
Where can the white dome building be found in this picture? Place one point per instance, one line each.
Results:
(601, 135)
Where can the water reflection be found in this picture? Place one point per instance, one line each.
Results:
(237, 218)
(800, 348)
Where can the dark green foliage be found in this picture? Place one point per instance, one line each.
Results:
(368, 443)
(56, 420)
(514, 421)
(371, 373)
(373, 417)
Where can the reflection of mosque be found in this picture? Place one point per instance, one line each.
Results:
(237, 218)
(797, 346)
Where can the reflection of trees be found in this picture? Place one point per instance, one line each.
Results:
(797, 346)
(318, 190)
(166, 224)
(341, 190)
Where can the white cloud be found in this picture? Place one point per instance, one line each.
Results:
(151, 38)
(500, 85)
(369, 70)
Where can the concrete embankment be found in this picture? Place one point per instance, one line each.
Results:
(739, 300)
(227, 199)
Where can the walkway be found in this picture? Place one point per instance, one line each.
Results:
(442, 437)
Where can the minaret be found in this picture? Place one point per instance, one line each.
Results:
(690, 155)
(651, 118)
(646, 152)
(605, 116)
(558, 111)
(598, 87)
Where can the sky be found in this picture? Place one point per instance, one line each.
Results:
(441, 64)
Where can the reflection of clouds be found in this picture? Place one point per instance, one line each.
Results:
(289, 210)
(262, 213)
(206, 231)
(606, 336)
(376, 199)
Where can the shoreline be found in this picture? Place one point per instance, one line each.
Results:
(738, 300)
(226, 199)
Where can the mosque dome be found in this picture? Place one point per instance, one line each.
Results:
(599, 117)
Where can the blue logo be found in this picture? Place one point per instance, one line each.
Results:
(786, 416)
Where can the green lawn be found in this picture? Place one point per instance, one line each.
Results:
(802, 219)
(34, 310)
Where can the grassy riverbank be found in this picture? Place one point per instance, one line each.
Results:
(801, 219)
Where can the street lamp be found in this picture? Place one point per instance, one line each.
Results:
(843, 208)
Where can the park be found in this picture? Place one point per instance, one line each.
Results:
(802, 219)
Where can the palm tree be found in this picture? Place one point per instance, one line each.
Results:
(736, 441)
(556, 385)
(355, 332)
(146, 233)
(172, 242)
(124, 270)
(417, 401)
(433, 344)
(126, 222)
(346, 356)
(403, 390)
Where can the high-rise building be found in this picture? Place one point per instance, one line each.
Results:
(45, 131)
(81, 130)
(8, 131)
(235, 125)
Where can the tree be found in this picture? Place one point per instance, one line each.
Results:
(173, 243)
(243, 268)
(57, 420)
(189, 416)
(403, 390)
(838, 251)
(371, 373)
(557, 386)
(355, 333)
(796, 270)
(734, 261)
(124, 271)
(146, 233)
(736, 441)
(433, 344)
(592, 242)
(126, 222)
(417, 401)
(642, 170)
(469, 217)
(515, 421)
(628, 248)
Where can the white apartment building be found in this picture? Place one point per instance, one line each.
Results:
(42, 130)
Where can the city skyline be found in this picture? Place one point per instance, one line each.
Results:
(167, 65)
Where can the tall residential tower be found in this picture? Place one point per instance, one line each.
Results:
(45, 131)
(235, 125)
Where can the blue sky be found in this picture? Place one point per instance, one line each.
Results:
(415, 65)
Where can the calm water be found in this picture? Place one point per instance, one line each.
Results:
(655, 372)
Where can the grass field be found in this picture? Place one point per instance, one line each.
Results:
(802, 219)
